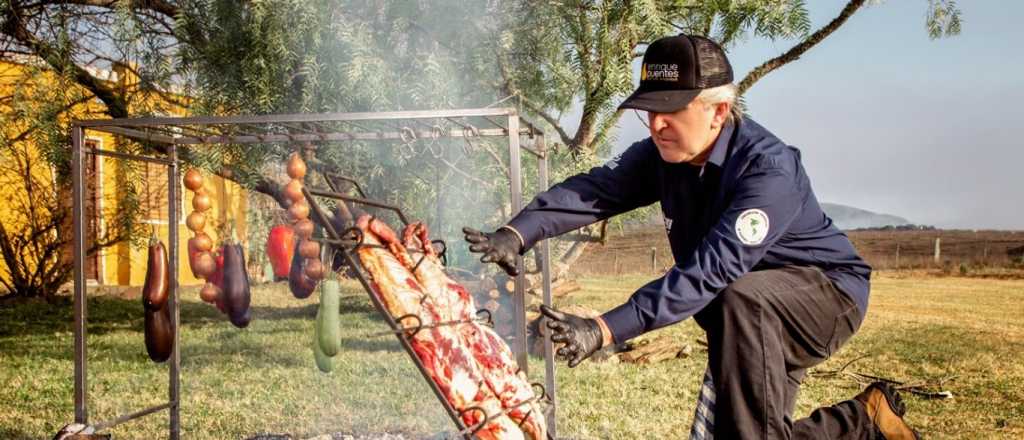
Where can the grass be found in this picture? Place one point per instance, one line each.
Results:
(236, 383)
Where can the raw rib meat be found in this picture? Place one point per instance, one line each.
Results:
(496, 360)
(454, 302)
(441, 350)
(399, 290)
(505, 379)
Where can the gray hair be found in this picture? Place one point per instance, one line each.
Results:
(720, 94)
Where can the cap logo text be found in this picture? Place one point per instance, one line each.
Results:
(659, 72)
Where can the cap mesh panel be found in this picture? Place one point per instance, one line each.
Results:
(714, 67)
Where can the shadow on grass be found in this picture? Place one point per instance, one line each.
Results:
(42, 330)
(384, 343)
(15, 434)
(110, 314)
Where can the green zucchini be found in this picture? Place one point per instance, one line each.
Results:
(322, 361)
(329, 330)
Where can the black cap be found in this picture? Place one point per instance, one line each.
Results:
(675, 70)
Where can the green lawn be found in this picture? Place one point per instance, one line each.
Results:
(236, 383)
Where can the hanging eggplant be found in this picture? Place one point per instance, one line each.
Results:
(154, 290)
(158, 334)
(217, 279)
(300, 285)
(236, 285)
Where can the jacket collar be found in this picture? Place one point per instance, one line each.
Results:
(720, 151)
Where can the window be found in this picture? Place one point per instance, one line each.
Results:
(153, 194)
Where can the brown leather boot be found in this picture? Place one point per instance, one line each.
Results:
(886, 409)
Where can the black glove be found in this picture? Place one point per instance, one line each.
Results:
(501, 246)
(582, 336)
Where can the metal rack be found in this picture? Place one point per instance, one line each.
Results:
(404, 127)
(348, 242)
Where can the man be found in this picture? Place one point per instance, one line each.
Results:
(774, 284)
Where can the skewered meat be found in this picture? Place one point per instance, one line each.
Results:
(496, 360)
(441, 349)
(455, 303)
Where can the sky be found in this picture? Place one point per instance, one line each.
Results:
(890, 121)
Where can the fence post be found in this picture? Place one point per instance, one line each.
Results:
(938, 250)
(897, 256)
(654, 259)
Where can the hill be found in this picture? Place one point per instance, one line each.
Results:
(848, 217)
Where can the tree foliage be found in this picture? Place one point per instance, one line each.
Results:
(285, 56)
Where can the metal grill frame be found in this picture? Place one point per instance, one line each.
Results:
(306, 128)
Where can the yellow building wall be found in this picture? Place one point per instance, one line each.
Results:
(124, 264)
(127, 266)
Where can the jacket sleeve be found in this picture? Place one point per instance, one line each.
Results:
(624, 183)
(768, 197)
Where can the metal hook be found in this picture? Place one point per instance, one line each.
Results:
(472, 430)
(407, 135)
(489, 320)
(443, 254)
(408, 138)
(543, 391)
(357, 236)
(415, 329)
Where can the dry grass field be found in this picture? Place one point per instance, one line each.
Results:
(993, 254)
(237, 383)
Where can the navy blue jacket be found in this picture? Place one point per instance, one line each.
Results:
(750, 207)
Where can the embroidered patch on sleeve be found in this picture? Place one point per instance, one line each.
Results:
(614, 162)
(752, 227)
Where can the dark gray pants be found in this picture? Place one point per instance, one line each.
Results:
(764, 331)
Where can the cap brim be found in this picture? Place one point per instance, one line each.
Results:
(659, 101)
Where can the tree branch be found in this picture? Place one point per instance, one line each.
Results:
(795, 52)
(507, 87)
(14, 26)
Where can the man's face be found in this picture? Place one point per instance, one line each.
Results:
(688, 134)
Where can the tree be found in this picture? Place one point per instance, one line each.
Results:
(275, 56)
(559, 53)
(33, 231)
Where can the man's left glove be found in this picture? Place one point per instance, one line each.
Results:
(582, 336)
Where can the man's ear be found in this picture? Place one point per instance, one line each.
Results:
(722, 110)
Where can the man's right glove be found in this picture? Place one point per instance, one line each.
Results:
(501, 246)
(582, 336)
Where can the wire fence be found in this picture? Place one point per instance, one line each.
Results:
(646, 250)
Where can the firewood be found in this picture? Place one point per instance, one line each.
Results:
(492, 305)
(488, 284)
(560, 288)
(494, 294)
(657, 357)
(657, 350)
(510, 284)
(565, 288)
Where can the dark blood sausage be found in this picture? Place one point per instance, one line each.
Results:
(236, 286)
